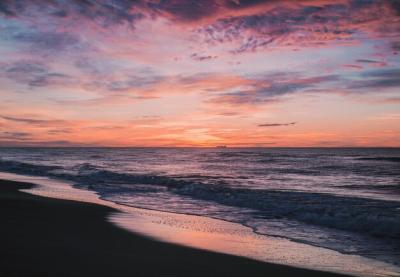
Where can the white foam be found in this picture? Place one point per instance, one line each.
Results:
(214, 235)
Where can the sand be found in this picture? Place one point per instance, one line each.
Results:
(42, 236)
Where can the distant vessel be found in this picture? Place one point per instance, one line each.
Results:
(221, 146)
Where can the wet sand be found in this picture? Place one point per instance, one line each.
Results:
(42, 236)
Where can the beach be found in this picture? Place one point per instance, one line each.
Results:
(200, 138)
(51, 237)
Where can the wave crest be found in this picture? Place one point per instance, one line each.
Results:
(374, 217)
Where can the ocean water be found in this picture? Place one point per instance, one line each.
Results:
(347, 200)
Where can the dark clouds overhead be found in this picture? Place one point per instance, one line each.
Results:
(186, 10)
(240, 4)
(299, 24)
(105, 12)
(268, 23)
(210, 68)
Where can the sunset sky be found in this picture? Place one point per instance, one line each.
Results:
(199, 73)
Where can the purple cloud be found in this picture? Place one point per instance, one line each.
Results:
(277, 124)
(33, 74)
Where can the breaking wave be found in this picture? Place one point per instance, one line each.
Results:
(373, 217)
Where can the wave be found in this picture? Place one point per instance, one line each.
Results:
(374, 217)
(385, 159)
(86, 173)
(395, 188)
(26, 168)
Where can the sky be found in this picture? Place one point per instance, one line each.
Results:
(200, 73)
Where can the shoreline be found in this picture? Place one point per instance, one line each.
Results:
(45, 236)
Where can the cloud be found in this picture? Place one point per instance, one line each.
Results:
(366, 61)
(185, 10)
(103, 12)
(111, 84)
(33, 74)
(280, 25)
(15, 135)
(200, 58)
(47, 41)
(299, 23)
(375, 79)
(390, 100)
(353, 66)
(277, 124)
(242, 4)
(248, 25)
(59, 131)
(25, 68)
(271, 87)
(123, 88)
(371, 63)
(395, 5)
(382, 73)
(40, 143)
(229, 114)
(132, 82)
(5, 9)
(106, 12)
(32, 121)
(396, 46)
(105, 127)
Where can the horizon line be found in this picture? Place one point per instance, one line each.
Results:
(212, 147)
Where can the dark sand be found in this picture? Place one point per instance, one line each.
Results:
(50, 237)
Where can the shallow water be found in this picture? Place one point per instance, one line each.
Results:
(213, 234)
(347, 200)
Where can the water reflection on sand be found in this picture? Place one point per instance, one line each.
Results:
(214, 235)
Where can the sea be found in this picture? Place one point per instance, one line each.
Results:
(342, 199)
